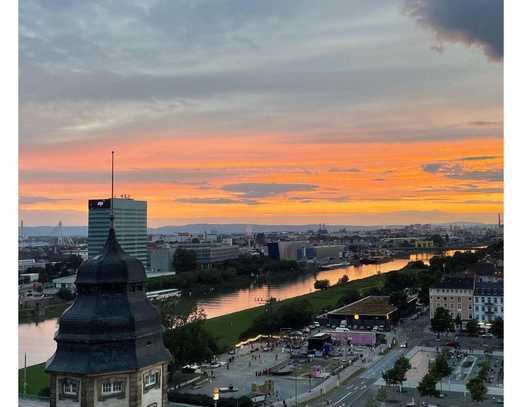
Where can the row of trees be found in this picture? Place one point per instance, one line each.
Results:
(397, 374)
(438, 370)
(294, 315)
(443, 322)
(185, 335)
(476, 386)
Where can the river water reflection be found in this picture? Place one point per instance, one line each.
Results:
(36, 339)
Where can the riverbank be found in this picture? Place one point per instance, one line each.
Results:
(227, 329)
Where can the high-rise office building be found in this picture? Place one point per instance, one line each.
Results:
(130, 224)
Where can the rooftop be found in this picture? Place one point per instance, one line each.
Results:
(489, 288)
(371, 305)
(464, 283)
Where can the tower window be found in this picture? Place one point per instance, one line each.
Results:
(151, 380)
(113, 387)
(69, 389)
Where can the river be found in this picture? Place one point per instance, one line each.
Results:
(36, 339)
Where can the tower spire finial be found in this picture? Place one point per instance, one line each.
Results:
(112, 189)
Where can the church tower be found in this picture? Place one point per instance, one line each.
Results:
(110, 350)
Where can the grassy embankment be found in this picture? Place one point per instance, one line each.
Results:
(37, 380)
(227, 329)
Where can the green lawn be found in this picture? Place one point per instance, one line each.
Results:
(227, 329)
(37, 379)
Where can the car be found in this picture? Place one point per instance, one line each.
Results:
(487, 335)
(404, 345)
(453, 344)
(441, 395)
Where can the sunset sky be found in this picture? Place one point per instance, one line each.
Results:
(267, 111)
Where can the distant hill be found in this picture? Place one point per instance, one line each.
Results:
(36, 231)
(81, 231)
(243, 227)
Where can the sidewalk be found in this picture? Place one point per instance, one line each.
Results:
(322, 389)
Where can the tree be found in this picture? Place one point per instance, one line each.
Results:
(397, 374)
(321, 284)
(65, 294)
(382, 394)
(344, 279)
(472, 328)
(185, 260)
(442, 320)
(458, 321)
(428, 385)
(399, 299)
(437, 240)
(185, 335)
(477, 389)
(441, 368)
(371, 402)
(497, 328)
(484, 368)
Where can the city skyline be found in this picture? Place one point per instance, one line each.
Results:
(266, 112)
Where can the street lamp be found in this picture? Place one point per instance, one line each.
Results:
(215, 395)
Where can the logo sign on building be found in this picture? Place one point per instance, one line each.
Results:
(99, 204)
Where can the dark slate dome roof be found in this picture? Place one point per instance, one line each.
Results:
(111, 326)
(112, 265)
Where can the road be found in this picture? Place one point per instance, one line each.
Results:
(351, 393)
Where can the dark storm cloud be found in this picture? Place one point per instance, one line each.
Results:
(261, 190)
(472, 22)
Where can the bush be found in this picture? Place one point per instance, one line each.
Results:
(65, 294)
(322, 284)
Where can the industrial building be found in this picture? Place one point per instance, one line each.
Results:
(366, 313)
(207, 255)
(287, 250)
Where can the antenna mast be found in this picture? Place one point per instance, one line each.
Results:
(112, 189)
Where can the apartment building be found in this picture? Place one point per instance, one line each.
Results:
(455, 295)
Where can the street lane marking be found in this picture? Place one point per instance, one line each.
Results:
(342, 398)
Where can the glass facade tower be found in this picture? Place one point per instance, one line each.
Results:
(130, 224)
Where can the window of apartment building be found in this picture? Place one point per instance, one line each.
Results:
(458, 299)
